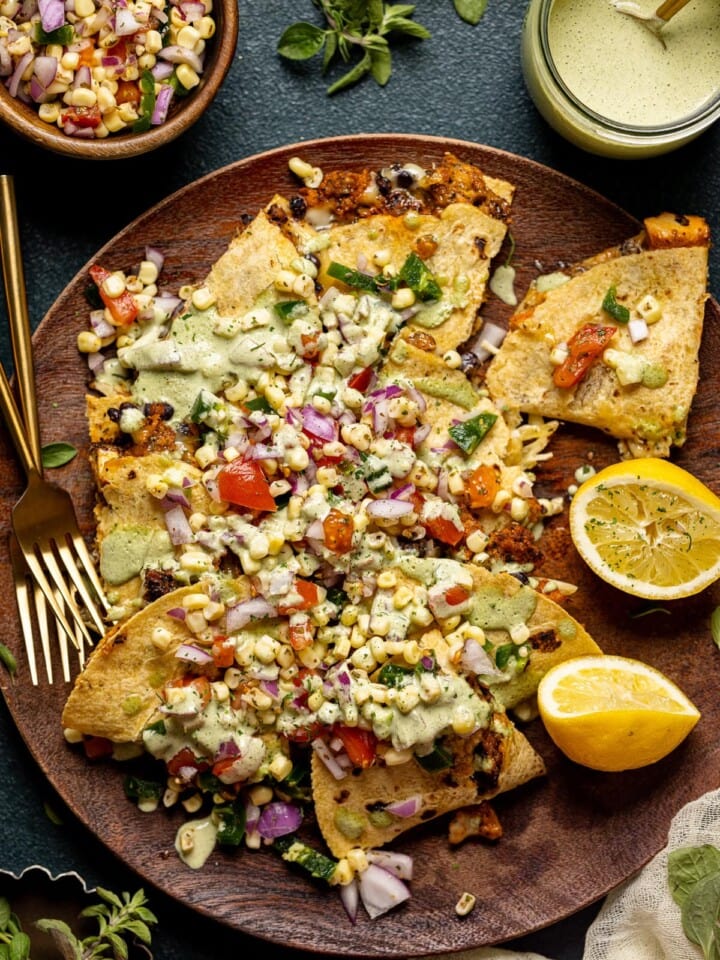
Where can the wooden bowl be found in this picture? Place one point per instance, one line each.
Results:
(23, 118)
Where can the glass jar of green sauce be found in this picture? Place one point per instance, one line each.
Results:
(611, 86)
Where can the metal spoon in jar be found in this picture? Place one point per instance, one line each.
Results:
(653, 21)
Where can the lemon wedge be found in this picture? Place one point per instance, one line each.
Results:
(649, 528)
(613, 713)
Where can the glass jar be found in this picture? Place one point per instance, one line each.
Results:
(607, 84)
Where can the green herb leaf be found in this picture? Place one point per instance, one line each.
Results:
(687, 866)
(10, 663)
(147, 102)
(57, 454)
(65, 940)
(616, 310)
(415, 273)
(701, 916)
(5, 913)
(301, 41)
(471, 11)
(715, 626)
(19, 946)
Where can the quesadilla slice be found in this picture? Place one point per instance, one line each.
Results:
(370, 808)
(614, 343)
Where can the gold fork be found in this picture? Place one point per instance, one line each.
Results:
(44, 518)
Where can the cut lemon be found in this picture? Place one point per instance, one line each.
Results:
(648, 528)
(613, 713)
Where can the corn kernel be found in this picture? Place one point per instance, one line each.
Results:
(187, 76)
(206, 27)
(463, 720)
(403, 298)
(203, 298)
(187, 37)
(465, 904)
(280, 767)
(357, 858)
(192, 803)
(161, 638)
(88, 342)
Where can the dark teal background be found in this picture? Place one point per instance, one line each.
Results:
(465, 83)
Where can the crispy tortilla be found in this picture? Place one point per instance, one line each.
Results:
(647, 420)
(358, 802)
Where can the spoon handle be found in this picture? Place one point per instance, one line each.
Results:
(669, 8)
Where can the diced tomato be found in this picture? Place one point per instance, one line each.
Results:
(223, 652)
(456, 595)
(482, 487)
(405, 435)
(220, 766)
(360, 745)
(584, 347)
(96, 747)
(185, 758)
(82, 116)
(301, 634)
(123, 309)
(338, 528)
(86, 54)
(309, 597)
(243, 483)
(201, 685)
(127, 92)
(444, 530)
(361, 381)
(309, 345)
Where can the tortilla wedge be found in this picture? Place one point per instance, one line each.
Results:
(647, 416)
(118, 691)
(358, 803)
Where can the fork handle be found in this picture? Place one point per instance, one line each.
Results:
(16, 425)
(16, 297)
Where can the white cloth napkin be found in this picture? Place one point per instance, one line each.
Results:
(640, 920)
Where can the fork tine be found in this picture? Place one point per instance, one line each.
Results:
(71, 567)
(22, 596)
(53, 569)
(63, 645)
(41, 612)
(42, 581)
(91, 573)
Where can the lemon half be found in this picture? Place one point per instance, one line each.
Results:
(649, 528)
(613, 713)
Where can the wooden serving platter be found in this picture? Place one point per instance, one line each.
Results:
(568, 838)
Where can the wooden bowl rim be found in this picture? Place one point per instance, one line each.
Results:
(24, 120)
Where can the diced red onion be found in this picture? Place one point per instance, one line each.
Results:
(37, 91)
(193, 654)
(260, 451)
(475, 660)
(328, 298)
(5, 61)
(350, 899)
(95, 361)
(381, 891)
(162, 105)
(45, 69)
(318, 424)
(178, 526)
(125, 23)
(421, 434)
(192, 10)
(405, 808)
(177, 54)
(315, 531)
(13, 83)
(168, 304)
(389, 509)
(638, 329)
(82, 78)
(278, 819)
(155, 256)
(177, 613)
(52, 14)
(102, 327)
(240, 614)
(227, 749)
(174, 496)
(399, 864)
(326, 755)
(162, 71)
(252, 815)
(404, 492)
(492, 334)
(271, 688)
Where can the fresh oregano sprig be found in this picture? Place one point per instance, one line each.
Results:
(361, 31)
(118, 918)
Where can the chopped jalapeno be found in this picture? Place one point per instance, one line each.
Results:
(415, 274)
(616, 310)
(468, 433)
(231, 824)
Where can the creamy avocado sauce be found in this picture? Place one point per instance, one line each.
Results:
(491, 609)
(195, 841)
(433, 315)
(459, 392)
(126, 551)
(614, 64)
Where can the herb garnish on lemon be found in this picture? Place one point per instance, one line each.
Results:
(649, 528)
(613, 713)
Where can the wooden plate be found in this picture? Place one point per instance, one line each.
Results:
(569, 838)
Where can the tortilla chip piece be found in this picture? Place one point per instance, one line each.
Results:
(647, 414)
(117, 693)
(250, 266)
(351, 812)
